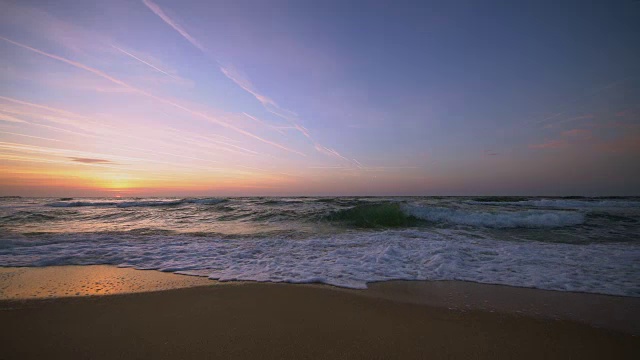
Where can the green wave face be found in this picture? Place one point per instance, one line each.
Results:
(374, 216)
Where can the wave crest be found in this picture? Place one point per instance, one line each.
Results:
(374, 215)
(566, 203)
(499, 219)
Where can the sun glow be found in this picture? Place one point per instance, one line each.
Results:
(117, 181)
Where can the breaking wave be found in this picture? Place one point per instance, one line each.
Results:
(567, 203)
(497, 219)
(374, 216)
(349, 260)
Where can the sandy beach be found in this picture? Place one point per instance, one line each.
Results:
(265, 320)
(319, 180)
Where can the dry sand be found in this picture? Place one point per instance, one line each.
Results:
(250, 320)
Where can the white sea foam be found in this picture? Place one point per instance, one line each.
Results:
(350, 260)
(498, 219)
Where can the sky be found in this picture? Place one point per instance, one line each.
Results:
(233, 98)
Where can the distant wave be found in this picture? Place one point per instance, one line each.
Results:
(394, 214)
(208, 201)
(497, 219)
(568, 204)
(142, 203)
(82, 203)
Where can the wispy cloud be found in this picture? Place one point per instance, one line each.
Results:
(330, 152)
(368, 168)
(36, 21)
(358, 164)
(567, 138)
(68, 155)
(577, 133)
(9, 118)
(570, 119)
(554, 144)
(262, 122)
(29, 136)
(629, 143)
(43, 107)
(61, 117)
(103, 130)
(587, 94)
(161, 13)
(91, 160)
(243, 82)
(147, 94)
(629, 114)
(269, 104)
(145, 62)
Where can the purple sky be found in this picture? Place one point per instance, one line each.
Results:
(159, 97)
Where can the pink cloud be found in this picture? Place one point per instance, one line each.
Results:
(577, 133)
(624, 113)
(554, 144)
(571, 119)
(629, 143)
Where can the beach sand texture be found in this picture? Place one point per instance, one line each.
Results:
(274, 321)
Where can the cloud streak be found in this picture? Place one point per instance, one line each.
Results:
(147, 94)
(260, 121)
(579, 99)
(243, 82)
(577, 133)
(91, 160)
(158, 11)
(144, 62)
(9, 118)
(68, 155)
(554, 144)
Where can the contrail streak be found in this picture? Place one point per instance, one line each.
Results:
(44, 107)
(262, 122)
(242, 82)
(144, 62)
(142, 92)
(158, 11)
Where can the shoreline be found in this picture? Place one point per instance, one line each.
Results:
(616, 313)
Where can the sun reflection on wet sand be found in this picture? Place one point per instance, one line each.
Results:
(65, 281)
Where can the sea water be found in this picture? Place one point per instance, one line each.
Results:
(566, 244)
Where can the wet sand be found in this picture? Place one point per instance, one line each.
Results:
(253, 320)
(65, 281)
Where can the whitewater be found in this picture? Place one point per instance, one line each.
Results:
(565, 244)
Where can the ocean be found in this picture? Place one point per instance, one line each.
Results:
(566, 244)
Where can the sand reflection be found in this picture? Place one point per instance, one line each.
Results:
(63, 281)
